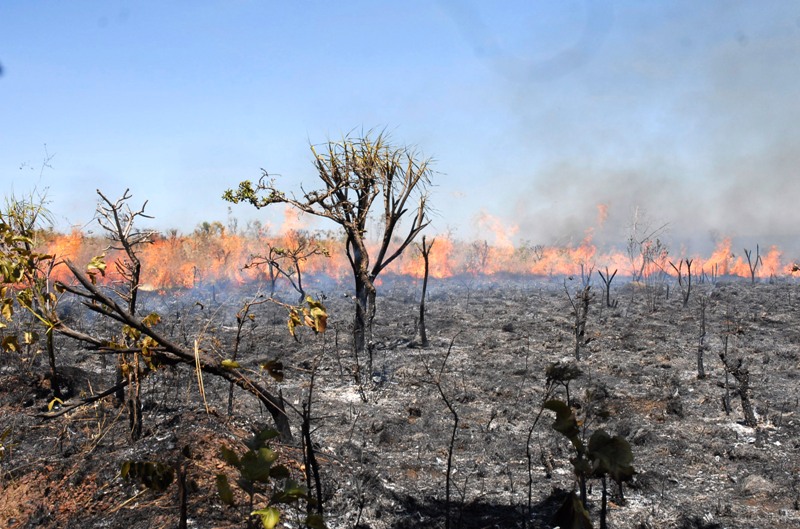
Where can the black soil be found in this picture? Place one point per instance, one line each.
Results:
(383, 443)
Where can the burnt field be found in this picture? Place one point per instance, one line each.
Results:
(383, 443)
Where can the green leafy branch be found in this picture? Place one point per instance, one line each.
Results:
(258, 473)
(603, 457)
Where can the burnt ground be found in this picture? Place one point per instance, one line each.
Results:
(383, 446)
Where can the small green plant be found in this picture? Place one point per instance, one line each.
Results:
(604, 456)
(25, 279)
(258, 474)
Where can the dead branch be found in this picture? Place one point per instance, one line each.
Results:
(98, 301)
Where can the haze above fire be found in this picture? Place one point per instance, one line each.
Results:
(536, 112)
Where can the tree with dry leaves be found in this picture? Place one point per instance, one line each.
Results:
(118, 220)
(361, 178)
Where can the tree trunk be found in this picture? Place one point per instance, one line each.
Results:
(365, 314)
(360, 323)
(55, 384)
(423, 333)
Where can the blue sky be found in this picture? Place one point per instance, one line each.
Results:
(535, 112)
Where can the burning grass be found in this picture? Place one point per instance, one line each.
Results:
(213, 256)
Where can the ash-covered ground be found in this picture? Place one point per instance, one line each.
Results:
(383, 443)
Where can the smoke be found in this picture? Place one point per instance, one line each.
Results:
(591, 21)
(699, 129)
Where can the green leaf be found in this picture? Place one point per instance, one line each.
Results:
(562, 373)
(224, 489)
(230, 457)
(611, 455)
(291, 492)
(267, 454)
(256, 465)
(260, 439)
(97, 263)
(25, 298)
(581, 466)
(230, 364)
(565, 422)
(269, 517)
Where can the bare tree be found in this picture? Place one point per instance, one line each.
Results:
(161, 350)
(425, 251)
(479, 258)
(685, 285)
(742, 375)
(287, 261)
(360, 176)
(607, 279)
(580, 309)
(702, 346)
(436, 379)
(655, 256)
(118, 220)
(732, 333)
(641, 245)
(752, 264)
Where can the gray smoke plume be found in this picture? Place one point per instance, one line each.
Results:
(686, 112)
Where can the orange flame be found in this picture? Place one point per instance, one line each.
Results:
(213, 256)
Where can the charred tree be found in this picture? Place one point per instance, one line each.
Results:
(580, 310)
(242, 317)
(361, 177)
(479, 259)
(702, 347)
(642, 244)
(425, 251)
(752, 263)
(287, 261)
(607, 279)
(162, 350)
(118, 220)
(436, 379)
(685, 283)
(742, 376)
